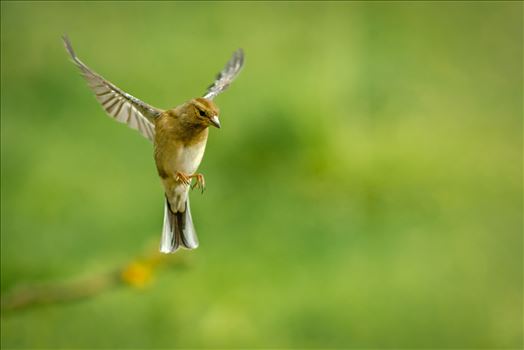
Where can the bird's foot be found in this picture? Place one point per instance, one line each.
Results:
(183, 178)
(186, 180)
(200, 182)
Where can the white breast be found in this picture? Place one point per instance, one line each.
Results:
(187, 159)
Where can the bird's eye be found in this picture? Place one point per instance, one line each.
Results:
(202, 113)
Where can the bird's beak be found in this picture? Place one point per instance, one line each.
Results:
(214, 120)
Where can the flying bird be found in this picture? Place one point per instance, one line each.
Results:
(179, 136)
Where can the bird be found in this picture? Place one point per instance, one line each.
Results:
(179, 137)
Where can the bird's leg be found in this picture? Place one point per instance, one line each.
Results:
(200, 181)
(186, 180)
(183, 178)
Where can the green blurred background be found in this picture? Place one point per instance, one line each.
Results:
(365, 190)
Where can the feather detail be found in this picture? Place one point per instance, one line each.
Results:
(118, 104)
(227, 75)
(178, 230)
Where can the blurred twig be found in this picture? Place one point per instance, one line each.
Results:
(137, 273)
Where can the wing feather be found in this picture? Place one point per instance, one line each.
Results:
(227, 75)
(117, 103)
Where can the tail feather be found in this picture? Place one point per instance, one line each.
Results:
(178, 230)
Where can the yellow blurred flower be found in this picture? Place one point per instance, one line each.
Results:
(137, 274)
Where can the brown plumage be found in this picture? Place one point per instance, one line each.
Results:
(179, 136)
(180, 141)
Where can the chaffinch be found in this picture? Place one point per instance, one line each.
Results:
(179, 136)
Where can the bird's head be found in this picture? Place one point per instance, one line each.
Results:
(204, 111)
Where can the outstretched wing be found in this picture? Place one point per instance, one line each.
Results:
(117, 103)
(227, 75)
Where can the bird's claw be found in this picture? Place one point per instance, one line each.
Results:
(199, 183)
(183, 178)
(186, 180)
